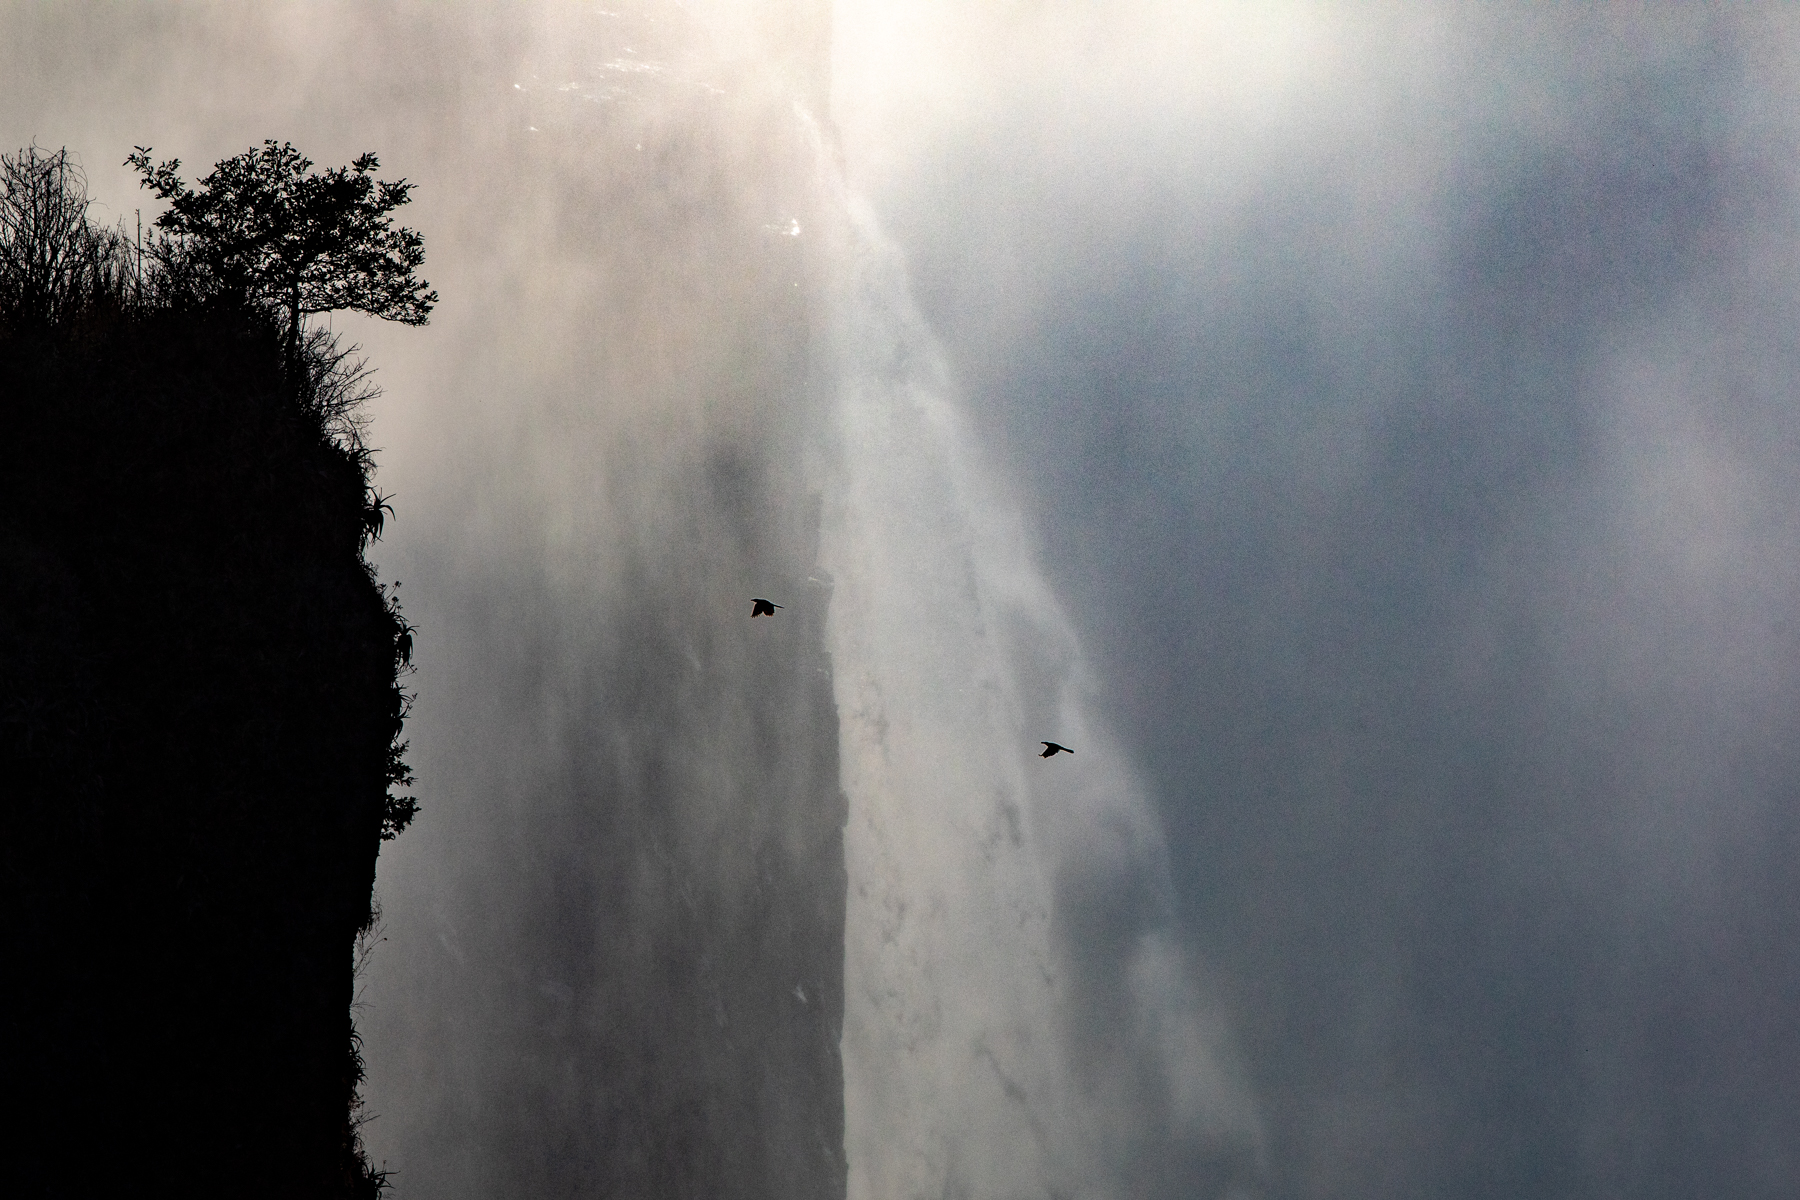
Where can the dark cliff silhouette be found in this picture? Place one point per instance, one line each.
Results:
(200, 706)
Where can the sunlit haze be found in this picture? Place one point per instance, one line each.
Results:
(1365, 435)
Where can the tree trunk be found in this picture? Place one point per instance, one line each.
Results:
(293, 339)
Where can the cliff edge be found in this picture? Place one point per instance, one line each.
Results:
(200, 705)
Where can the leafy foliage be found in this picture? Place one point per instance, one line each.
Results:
(266, 227)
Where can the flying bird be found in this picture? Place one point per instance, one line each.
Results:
(761, 608)
(1052, 748)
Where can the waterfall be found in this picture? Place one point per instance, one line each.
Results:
(1020, 1019)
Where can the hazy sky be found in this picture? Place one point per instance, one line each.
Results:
(1397, 399)
(1404, 401)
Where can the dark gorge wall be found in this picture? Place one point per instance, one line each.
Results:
(197, 701)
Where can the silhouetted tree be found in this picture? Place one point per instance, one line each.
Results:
(53, 261)
(265, 226)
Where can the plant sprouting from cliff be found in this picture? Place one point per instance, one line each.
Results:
(398, 810)
(265, 226)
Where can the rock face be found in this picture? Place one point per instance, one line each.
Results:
(197, 699)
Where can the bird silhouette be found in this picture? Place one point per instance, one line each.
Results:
(1052, 748)
(760, 607)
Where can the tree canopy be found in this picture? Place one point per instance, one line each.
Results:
(265, 226)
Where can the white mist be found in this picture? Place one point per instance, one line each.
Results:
(988, 1051)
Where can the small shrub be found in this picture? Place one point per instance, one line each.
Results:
(55, 264)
